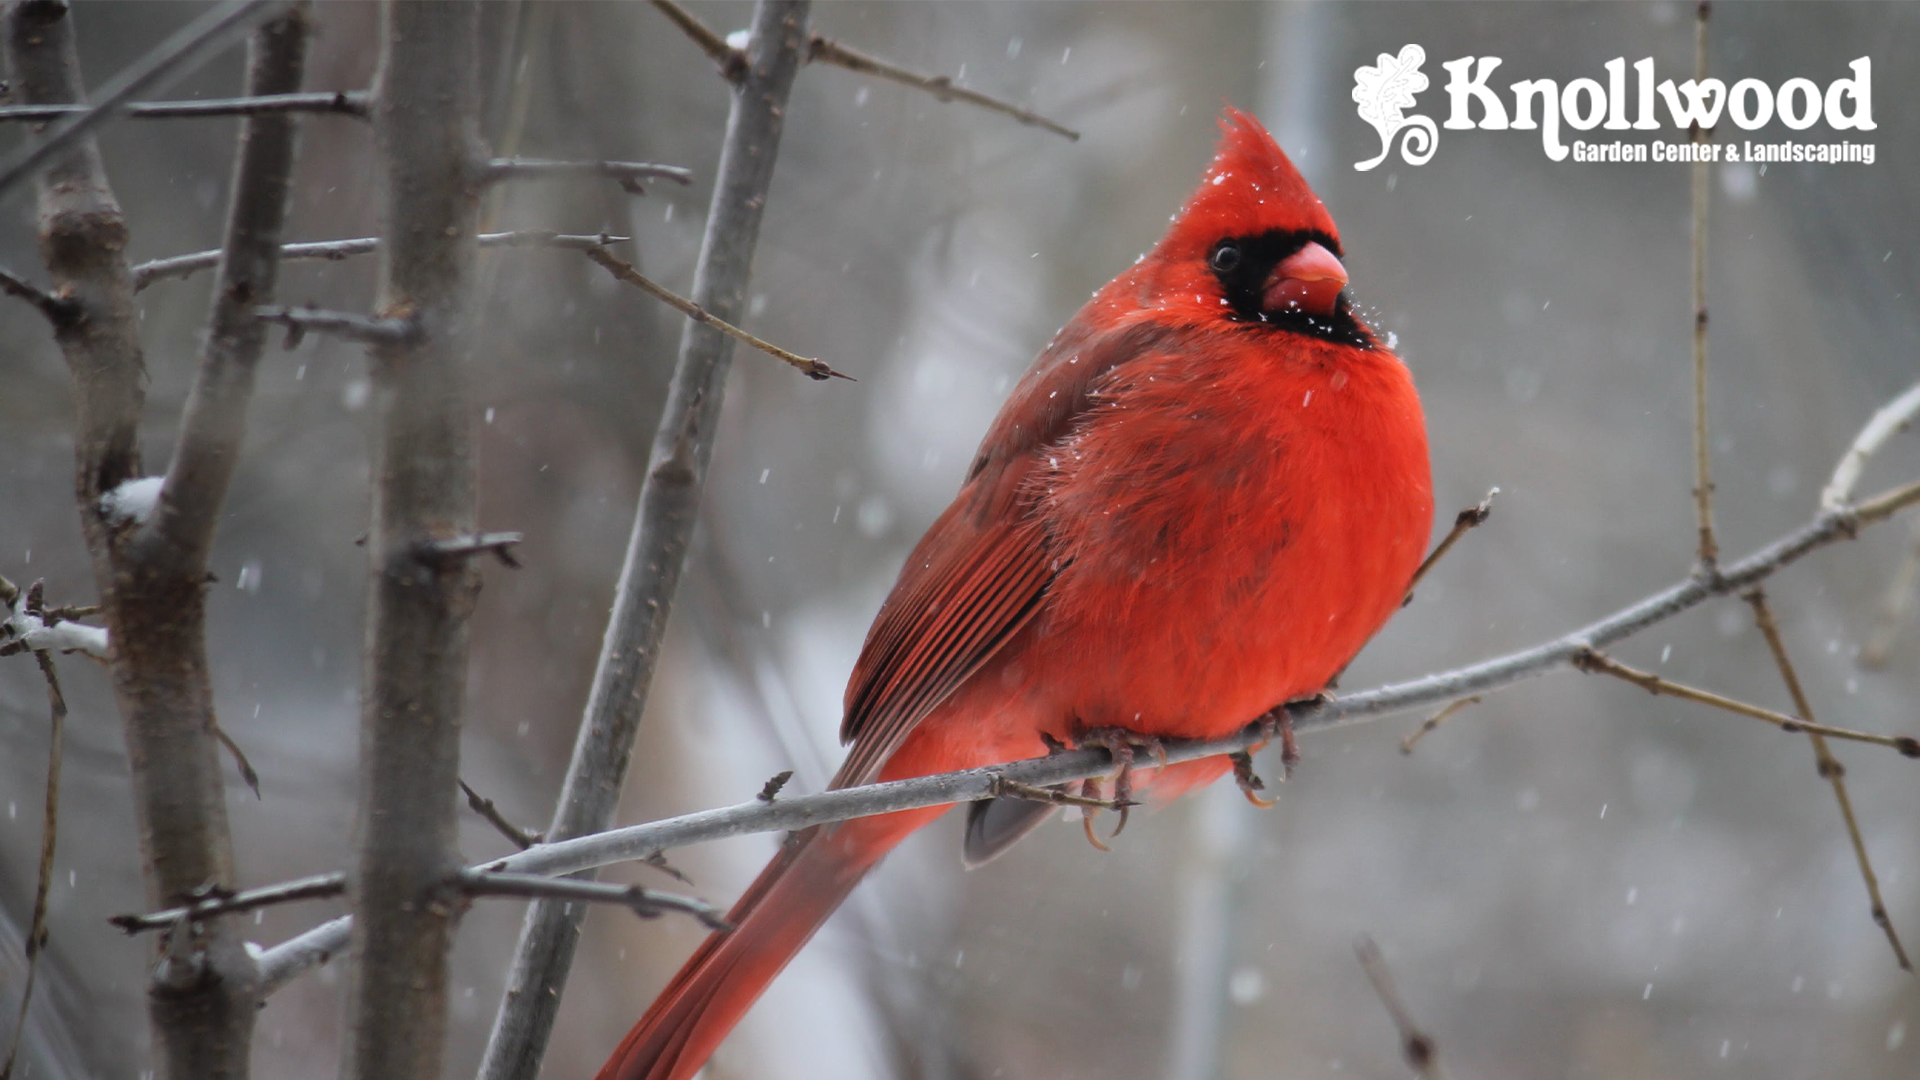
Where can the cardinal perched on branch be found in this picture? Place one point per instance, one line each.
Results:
(1210, 490)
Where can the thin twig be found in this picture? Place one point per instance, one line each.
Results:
(644, 902)
(825, 50)
(367, 329)
(625, 271)
(59, 311)
(1829, 766)
(340, 103)
(1434, 721)
(1594, 662)
(317, 887)
(1887, 421)
(179, 266)
(1893, 608)
(500, 545)
(1463, 522)
(1417, 1045)
(771, 789)
(731, 61)
(239, 756)
(49, 832)
(628, 174)
(517, 836)
(287, 961)
(1709, 551)
(662, 526)
(185, 50)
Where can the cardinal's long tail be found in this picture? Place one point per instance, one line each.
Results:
(779, 912)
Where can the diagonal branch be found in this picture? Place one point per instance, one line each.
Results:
(1464, 522)
(625, 271)
(59, 311)
(1595, 662)
(1830, 767)
(731, 61)
(1418, 1046)
(317, 887)
(644, 902)
(287, 961)
(340, 103)
(187, 49)
(179, 266)
(662, 527)
(1890, 419)
(824, 50)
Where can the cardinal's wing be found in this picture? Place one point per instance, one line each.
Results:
(982, 571)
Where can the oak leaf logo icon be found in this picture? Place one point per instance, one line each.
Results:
(1382, 93)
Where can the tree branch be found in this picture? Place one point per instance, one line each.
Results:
(187, 49)
(1416, 1044)
(287, 961)
(61, 312)
(625, 271)
(179, 266)
(202, 1002)
(317, 887)
(628, 174)
(1464, 522)
(340, 102)
(824, 50)
(662, 527)
(644, 902)
(517, 836)
(731, 61)
(1702, 453)
(405, 894)
(49, 834)
(1830, 768)
(1893, 607)
(1888, 420)
(366, 329)
(215, 421)
(1598, 663)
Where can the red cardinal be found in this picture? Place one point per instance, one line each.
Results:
(1210, 490)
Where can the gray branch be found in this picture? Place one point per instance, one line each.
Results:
(215, 421)
(662, 527)
(340, 102)
(188, 48)
(155, 614)
(366, 329)
(405, 889)
(289, 960)
(628, 174)
(644, 902)
(179, 266)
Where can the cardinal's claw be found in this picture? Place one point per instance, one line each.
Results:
(1090, 790)
(1249, 781)
(1119, 744)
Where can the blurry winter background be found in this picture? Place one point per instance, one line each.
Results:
(1573, 879)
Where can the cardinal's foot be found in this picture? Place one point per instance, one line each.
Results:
(1120, 744)
(1250, 783)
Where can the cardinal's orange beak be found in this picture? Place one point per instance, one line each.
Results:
(1309, 280)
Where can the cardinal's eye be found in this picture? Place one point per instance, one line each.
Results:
(1225, 258)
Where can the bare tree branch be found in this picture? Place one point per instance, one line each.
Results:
(662, 527)
(1702, 453)
(340, 102)
(1464, 522)
(1599, 663)
(187, 49)
(1418, 1046)
(58, 310)
(405, 893)
(317, 887)
(644, 902)
(628, 174)
(203, 999)
(731, 61)
(1434, 721)
(49, 833)
(625, 271)
(179, 266)
(366, 329)
(517, 836)
(824, 50)
(1830, 768)
(287, 961)
(215, 421)
(1888, 420)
